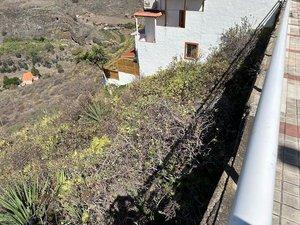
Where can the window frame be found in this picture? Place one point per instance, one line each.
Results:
(185, 50)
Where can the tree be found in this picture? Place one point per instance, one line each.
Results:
(96, 56)
(35, 72)
(9, 82)
(35, 58)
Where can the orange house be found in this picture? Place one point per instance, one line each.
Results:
(28, 78)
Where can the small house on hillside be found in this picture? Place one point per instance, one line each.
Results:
(184, 29)
(124, 70)
(28, 78)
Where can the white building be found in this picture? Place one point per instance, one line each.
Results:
(187, 29)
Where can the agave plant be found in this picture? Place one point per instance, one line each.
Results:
(25, 203)
(94, 112)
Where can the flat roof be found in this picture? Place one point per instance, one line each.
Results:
(148, 14)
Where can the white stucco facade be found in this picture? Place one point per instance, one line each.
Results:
(124, 78)
(163, 41)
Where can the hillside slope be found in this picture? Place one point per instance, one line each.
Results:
(59, 18)
(141, 154)
(20, 106)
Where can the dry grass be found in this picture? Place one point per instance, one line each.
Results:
(48, 95)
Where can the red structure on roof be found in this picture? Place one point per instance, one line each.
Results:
(148, 14)
(131, 54)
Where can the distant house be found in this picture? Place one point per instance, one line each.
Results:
(183, 29)
(28, 78)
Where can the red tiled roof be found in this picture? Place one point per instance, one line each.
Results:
(148, 14)
(130, 54)
(27, 76)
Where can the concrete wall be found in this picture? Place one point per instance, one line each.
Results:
(179, 4)
(173, 11)
(203, 28)
(124, 78)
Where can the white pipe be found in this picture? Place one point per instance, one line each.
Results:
(254, 197)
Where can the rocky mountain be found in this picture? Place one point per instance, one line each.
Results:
(62, 18)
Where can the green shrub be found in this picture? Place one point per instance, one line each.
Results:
(35, 58)
(122, 38)
(96, 111)
(59, 68)
(23, 65)
(10, 62)
(77, 51)
(96, 55)
(5, 69)
(61, 48)
(26, 67)
(26, 202)
(234, 39)
(35, 72)
(18, 55)
(49, 47)
(11, 39)
(129, 25)
(47, 64)
(24, 46)
(97, 40)
(9, 82)
(41, 39)
(14, 68)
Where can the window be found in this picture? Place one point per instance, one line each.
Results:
(191, 51)
(182, 18)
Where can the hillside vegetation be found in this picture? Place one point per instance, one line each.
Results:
(124, 155)
(66, 71)
(79, 20)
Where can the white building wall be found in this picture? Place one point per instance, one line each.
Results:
(179, 4)
(204, 28)
(173, 18)
(124, 78)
